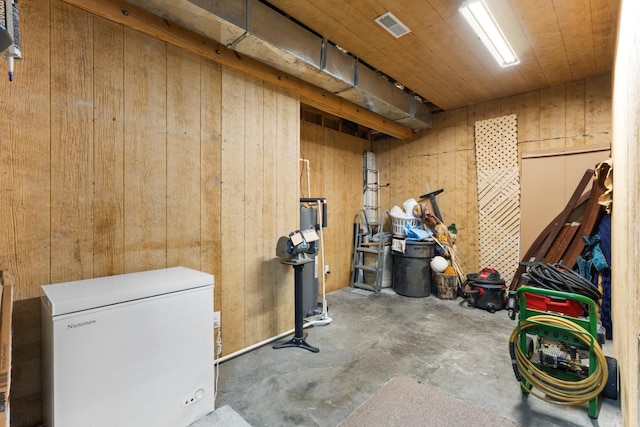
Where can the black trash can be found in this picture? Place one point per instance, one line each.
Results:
(412, 269)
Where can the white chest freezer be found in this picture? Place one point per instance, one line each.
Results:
(129, 350)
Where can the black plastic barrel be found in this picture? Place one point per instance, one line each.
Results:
(412, 269)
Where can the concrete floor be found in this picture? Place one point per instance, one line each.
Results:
(375, 337)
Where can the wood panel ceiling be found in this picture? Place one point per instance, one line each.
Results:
(442, 60)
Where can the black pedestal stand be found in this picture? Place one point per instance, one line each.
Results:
(299, 336)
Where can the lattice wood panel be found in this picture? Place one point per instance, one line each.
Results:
(498, 194)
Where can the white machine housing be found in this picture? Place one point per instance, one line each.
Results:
(129, 350)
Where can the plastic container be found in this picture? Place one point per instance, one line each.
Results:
(397, 224)
(387, 269)
(411, 270)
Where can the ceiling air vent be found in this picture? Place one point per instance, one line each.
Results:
(392, 24)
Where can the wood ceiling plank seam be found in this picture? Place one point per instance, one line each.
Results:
(457, 86)
(480, 81)
(557, 49)
(441, 93)
(604, 16)
(340, 14)
(577, 38)
(547, 49)
(533, 79)
(417, 11)
(507, 80)
(445, 8)
(534, 75)
(399, 8)
(398, 71)
(541, 53)
(348, 34)
(413, 15)
(352, 39)
(448, 11)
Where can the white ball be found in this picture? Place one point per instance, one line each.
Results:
(439, 264)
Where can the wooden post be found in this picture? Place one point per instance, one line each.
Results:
(625, 233)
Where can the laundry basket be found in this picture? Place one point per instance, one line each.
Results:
(398, 223)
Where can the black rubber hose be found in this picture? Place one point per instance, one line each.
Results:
(559, 277)
(514, 361)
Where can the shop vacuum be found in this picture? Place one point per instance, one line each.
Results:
(485, 290)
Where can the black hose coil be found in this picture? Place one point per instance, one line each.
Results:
(561, 278)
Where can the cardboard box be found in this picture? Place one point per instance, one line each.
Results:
(6, 311)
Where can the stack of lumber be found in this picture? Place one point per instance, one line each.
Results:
(561, 241)
(6, 311)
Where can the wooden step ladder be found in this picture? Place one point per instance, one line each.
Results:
(363, 231)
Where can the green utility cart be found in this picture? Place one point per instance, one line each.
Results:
(555, 350)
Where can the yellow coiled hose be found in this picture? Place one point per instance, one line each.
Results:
(556, 390)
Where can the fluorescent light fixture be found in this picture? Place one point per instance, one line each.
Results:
(481, 19)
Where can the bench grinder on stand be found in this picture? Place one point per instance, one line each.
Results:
(299, 250)
(294, 250)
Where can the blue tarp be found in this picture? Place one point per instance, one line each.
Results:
(416, 234)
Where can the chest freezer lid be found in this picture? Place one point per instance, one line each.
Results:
(79, 295)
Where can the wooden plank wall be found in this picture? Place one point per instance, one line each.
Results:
(565, 116)
(121, 153)
(260, 134)
(335, 160)
(626, 211)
